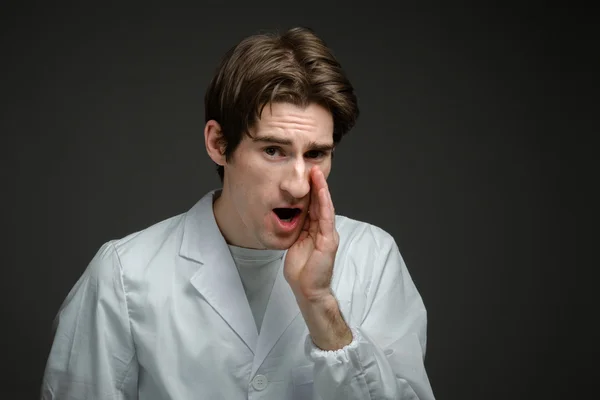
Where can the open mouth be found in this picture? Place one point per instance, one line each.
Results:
(286, 214)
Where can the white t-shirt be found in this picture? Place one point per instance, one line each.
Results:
(257, 269)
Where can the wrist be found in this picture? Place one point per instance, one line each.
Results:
(323, 299)
(325, 322)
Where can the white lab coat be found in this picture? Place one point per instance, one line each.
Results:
(162, 314)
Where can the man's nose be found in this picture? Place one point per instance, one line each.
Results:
(296, 182)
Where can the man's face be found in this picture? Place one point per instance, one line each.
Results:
(266, 191)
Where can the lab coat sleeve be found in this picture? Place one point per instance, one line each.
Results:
(92, 355)
(386, 357)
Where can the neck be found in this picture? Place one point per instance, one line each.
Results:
(230, 223)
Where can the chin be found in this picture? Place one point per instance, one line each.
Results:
(278, 243)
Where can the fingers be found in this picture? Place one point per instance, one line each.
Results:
(314, 201)
(318, 179)
(318, 182)
(324, 204)
(306, 224)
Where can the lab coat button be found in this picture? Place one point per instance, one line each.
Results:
(259, 382)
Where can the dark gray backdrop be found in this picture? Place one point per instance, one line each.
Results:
(459, 152)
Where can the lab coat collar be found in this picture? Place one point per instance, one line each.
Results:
(218, 281)
(217, 278)
(282, 309)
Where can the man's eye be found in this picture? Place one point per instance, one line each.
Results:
(315, 154)
(271, 151)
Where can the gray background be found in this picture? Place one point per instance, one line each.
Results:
(468, 151)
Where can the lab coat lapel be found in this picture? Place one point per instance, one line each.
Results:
(282, 309)
(217, 278)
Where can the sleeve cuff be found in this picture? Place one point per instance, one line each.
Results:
(314, 353)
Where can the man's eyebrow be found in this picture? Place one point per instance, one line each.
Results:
(288, 142)
(272, 139)
(325, 147)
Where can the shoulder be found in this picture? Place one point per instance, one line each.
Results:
(362, 236)
(134, 250)
(143, 244)
(135, 244)
(368, 263)
(366, 252)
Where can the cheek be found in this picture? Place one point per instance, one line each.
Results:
(326, 169)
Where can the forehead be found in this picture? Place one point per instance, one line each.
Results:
(296, 123)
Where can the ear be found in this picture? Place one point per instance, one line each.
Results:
(213, 140)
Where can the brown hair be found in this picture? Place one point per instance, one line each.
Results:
(294, 67)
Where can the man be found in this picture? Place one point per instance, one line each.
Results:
(259, 291)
